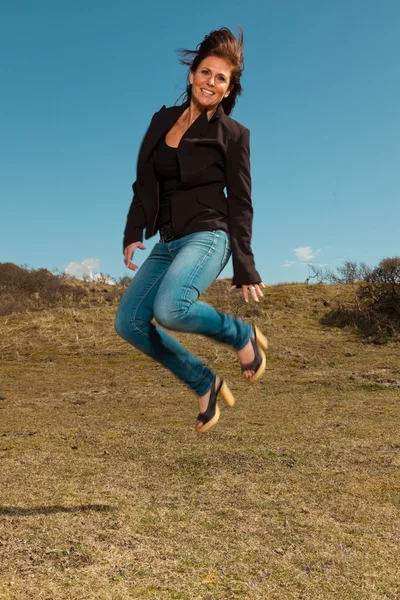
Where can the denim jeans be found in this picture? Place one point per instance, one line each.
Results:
(167, 287)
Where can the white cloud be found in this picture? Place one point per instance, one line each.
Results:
(306, 253)
(83, 270)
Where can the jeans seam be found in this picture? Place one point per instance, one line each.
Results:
(226, 253)
(200, 266)
(170, 253)
(190, 368)
(133, 319)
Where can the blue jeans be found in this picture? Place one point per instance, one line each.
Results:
(167, 287)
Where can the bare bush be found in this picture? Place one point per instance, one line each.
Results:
(375, 308)
(124, 281)
(23, 290)
(349, 272)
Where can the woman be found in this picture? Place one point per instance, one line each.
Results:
(189, 154)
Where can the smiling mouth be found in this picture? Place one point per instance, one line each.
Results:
(207, 92)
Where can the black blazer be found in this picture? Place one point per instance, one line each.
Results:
(212, 155)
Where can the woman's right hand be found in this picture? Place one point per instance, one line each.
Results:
(128, 254)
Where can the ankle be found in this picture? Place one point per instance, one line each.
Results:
(214, 384)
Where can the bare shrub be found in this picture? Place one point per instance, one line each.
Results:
(23, 290)
(124, 281)
(349, 272)
(375, 308)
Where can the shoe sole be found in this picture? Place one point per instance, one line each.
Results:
(229, 400)
(211, 422)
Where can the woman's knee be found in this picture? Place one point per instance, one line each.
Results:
(170, 314)
(127, 327)
(121, 324)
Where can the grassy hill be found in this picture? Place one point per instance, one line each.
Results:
(108, 493)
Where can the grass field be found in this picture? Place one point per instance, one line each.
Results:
(108, 493)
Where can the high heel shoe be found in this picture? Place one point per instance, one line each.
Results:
(210, 416)
(259, 343)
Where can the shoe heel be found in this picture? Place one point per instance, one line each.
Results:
(227, 395)
(261, 339)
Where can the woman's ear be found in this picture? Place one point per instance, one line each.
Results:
(191, 77)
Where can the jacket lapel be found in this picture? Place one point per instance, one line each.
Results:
(200, 125)
(161, 123)
(195, 150)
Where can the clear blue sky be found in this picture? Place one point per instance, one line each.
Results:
(80, 81)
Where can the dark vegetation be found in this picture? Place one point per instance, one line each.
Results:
(23, 290)
(373, 308)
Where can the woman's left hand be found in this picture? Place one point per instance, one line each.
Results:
(253, 288)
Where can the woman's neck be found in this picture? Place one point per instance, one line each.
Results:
(194, 111)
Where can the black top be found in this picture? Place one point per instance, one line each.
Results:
(166, 168)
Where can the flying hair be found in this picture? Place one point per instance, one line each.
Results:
(223, 44)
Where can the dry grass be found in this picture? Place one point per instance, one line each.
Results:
(23, 290)
(108, 493)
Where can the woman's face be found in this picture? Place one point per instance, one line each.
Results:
(211, 82)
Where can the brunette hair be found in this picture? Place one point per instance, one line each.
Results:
(223, 44)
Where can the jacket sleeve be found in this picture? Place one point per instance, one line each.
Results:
(238, 185)
(135, 222)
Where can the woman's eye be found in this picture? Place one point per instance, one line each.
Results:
(205, 72)
(221, 77)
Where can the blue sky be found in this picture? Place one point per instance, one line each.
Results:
(81, 80)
